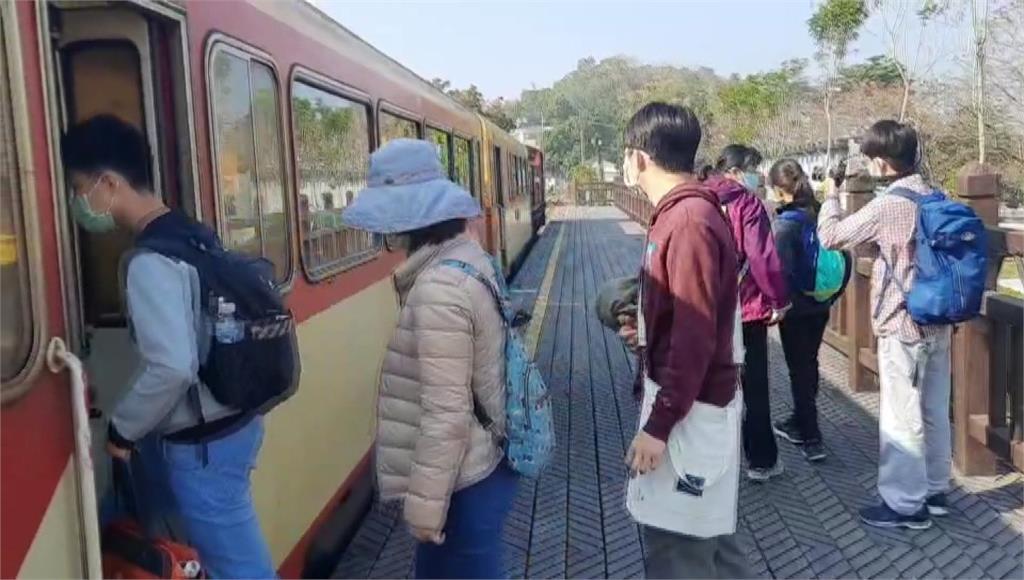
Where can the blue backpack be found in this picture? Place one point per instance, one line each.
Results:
(821, 273)
(950, 260)
(529, 430)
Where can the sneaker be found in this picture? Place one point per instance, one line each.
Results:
(882, 516)
(937, 505)
(762, 474)
(787, 430)
(814, 451)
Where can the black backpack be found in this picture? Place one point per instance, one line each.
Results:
(262, 369)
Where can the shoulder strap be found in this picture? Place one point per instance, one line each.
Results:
(478, 410)
(496, 294)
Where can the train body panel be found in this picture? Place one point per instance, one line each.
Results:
(181, 71)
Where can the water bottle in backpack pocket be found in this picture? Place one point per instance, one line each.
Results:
(821, 272)
(950, 260)
(253, 362)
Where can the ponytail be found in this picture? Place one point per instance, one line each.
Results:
(789, 176)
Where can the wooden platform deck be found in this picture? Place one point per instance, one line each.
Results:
(572, 522)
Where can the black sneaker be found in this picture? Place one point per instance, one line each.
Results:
(787, 430)
(882, 516)
(814, 451)
(937, 505)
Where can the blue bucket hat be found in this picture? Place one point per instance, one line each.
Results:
(407, 190)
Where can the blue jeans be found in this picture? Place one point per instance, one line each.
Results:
(472, 546)
(215, 503)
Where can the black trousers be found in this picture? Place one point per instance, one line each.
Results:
(801, 340)
(758, 437)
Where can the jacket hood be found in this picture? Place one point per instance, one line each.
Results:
(681, 192)
(407, 272)
(725, 189)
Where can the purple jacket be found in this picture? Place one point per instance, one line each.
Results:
(763, 283)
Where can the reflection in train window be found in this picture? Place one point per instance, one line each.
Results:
(463, 174)
(395, 127)
(443, 142)
(332, 149)
(250, 164)
(16, 334)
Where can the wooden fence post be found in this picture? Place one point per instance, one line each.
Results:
(860, 189)
(977, 186)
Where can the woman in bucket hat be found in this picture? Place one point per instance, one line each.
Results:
(443, 366)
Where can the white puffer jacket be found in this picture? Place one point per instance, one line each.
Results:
(449, 343)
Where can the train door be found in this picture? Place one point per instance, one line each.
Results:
(128, 62)
(500, 192)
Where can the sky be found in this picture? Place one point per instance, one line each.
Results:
(505, 46)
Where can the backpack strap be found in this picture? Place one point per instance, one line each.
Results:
(506, 315)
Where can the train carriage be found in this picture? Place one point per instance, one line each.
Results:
(261, 116)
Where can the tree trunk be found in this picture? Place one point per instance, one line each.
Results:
(828, 125)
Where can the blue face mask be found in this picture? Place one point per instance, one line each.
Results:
(752, 181)
(88, 218)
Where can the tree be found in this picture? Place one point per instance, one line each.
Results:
(980, 26)
(879, 70)
(906, 24)
(497, 110)
(834, 25)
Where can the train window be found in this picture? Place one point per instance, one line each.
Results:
(332, 150)
(395, 127)
(463, 174)
(249, 158)
(16, 332)
(444, 146)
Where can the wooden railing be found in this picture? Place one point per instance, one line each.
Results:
(988, 352)
(594, 193)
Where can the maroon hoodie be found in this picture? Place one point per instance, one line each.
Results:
(763, 285)
(689, 306)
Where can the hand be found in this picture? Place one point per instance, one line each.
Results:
(118, 452)
(425, 535)
(645, 453)
(628, 331)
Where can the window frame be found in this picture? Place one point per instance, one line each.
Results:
(345, 91)
(450, 170)
(455, 166)
(214, 45)
(387, 108)
(27, 210)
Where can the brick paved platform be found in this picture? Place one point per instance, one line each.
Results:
(572, 521)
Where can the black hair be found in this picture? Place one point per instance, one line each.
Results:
(735, 156)
(438, 233)
(106, 143)
(893, 142)
(670, 134)
(789, 176)
(818, 173)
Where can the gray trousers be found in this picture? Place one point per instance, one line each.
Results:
(913, 421)
(671, 555)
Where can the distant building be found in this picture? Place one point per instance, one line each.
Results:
(612, 170)
(531, 135)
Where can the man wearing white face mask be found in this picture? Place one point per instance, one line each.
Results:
(204, 450)
(913, 360)
(685, 456)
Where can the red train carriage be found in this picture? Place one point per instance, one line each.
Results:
(261, 116)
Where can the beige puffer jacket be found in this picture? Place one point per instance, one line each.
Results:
(449, 340)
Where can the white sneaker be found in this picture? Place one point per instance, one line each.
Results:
(762, 474)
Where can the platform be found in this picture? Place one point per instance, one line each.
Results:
(572, 521)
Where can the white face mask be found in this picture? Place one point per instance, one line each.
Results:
(629, 173)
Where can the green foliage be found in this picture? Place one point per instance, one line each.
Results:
(751, 102)
(836, 24)
(878, 70)
(582, 174)
(497, 110)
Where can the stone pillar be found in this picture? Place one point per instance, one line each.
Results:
(860, 189)
(978, 187)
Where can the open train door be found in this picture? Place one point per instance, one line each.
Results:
(130, 60)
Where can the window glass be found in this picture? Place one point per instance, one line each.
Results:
(250, 172)
(15, 311)
(395, 127)
(462, 163)
(332, 149)
(442, 140)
